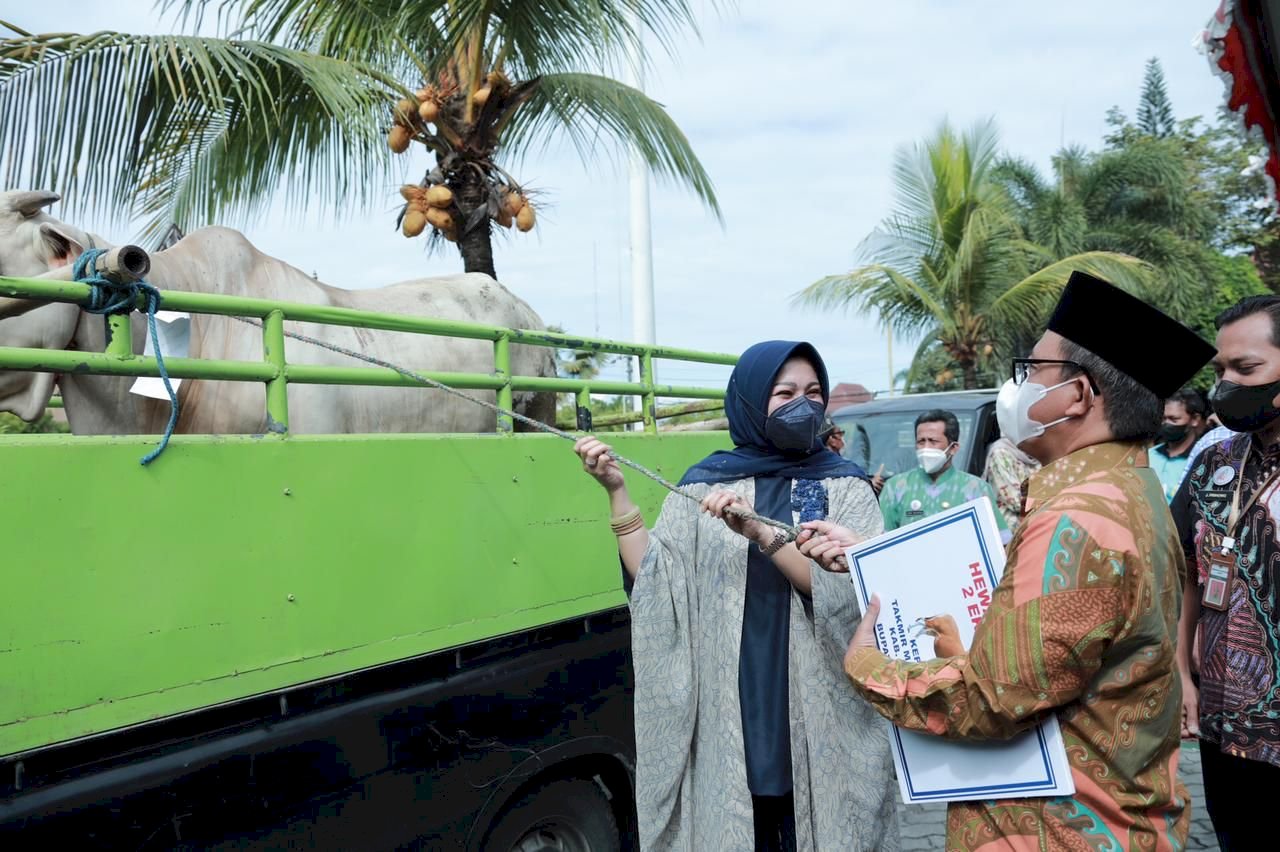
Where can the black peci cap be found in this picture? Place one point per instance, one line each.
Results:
(1157, 352)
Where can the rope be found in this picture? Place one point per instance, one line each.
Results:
(109, 297)
(746, 514)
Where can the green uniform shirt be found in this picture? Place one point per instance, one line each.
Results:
(913, 495)
(1168, 468)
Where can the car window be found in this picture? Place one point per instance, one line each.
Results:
(889, 438)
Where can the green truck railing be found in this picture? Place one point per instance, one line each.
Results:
(277, 373)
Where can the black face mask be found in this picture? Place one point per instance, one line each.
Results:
(1171, 433)
(794, 427)
(1245, 408)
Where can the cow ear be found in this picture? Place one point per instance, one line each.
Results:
(64, 248)
(30, 203)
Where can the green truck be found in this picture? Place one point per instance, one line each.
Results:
(328, 641)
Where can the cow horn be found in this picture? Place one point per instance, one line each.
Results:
(29, 203)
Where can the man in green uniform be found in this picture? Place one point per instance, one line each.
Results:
(936, 485)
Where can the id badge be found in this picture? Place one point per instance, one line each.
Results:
(1218, 584)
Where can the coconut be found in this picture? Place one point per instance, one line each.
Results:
(410, 192)
(504, 218)
(525, 219)
(439, 196)
(440, 219)
(399, 139)
(481, 96)
(406, 111)
(423, 94)
(429, 111)
(514, 202)
(414, 222)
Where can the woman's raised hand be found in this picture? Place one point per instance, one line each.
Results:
(597, 462)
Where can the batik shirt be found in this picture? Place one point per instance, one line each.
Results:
(1213, 436)
(913, 495)
(1239, 648)
(1083, 623)
(1006, 470)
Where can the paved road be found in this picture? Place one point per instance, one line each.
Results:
(923, 826)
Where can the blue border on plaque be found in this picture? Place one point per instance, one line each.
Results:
(970, 514)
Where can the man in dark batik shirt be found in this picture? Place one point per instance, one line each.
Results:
(1226, 511)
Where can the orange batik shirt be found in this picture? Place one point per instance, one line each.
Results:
(1083, 623)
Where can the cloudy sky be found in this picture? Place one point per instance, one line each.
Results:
(796, 110)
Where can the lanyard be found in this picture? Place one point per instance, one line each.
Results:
(1237, 513)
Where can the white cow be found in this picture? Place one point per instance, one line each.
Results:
(219, 260)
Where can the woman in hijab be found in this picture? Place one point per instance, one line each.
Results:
(748, 734)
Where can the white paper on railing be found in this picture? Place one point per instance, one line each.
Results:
(174, 330)
(950, 563)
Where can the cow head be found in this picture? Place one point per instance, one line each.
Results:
(31, 243)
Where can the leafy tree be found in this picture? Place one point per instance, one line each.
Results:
(1225, 185)
(1155, 111)
(1234, 278)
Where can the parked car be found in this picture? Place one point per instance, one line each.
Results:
(882, 431)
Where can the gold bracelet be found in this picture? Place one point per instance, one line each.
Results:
(628, 523)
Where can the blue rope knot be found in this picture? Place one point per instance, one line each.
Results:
(107, 297)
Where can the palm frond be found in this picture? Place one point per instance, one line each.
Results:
(1070, 165)
(544, 37)
(918, 359)
(167, 109)
(905, 305)
(1026, 304)
(1021, 180)
(1059, 224)
(589, 107)
(1147, 181)
(558, 36)
(978, 259)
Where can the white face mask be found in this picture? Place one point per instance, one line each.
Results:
(1013, 410)
(932, 460)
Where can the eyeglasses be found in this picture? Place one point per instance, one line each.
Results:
(1024, 367)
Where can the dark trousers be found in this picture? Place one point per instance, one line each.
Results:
(1238, 793)
(775, 818)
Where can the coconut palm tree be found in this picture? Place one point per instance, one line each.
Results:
(952, 263)
(317, 95)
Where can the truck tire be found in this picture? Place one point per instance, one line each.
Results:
(570, 815)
